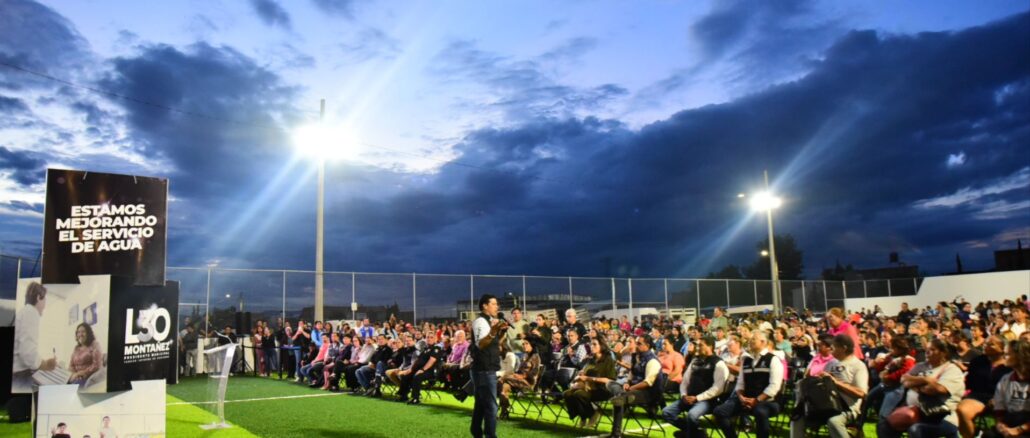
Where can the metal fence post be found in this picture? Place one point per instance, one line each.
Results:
(889, 293)
(523, 290)
(865, 289)
(697, 288)
(915, 286)
(614, 305)
(727, 294)
(826, 302)
(284, 298)
(570, 293)
(472, 293)
(207, 305)
(629, 285)
(414, 302)
(755, 284)
(844, 287)
(353, 295)
(668, 312)
(804, 300)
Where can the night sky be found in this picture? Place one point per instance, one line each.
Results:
(533, 137)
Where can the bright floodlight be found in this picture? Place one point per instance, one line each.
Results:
(764, 253)
(324, 142)
(765, 201)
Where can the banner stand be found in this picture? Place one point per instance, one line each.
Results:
(219, 380)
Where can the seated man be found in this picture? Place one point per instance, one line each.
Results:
(369, 376)
(703, 382)
(760, 380)
(852, 379)
(644, 386)
(422, 369)
(573, 358)
(407, 355)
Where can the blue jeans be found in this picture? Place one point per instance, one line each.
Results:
(484, 415)
(918, 430)
(726, 415)
(671, 414)
(364, 376)
(891, 399)
(271, 360)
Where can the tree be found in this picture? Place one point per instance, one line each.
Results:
(728, 272)
(788, 257)
(838, 272)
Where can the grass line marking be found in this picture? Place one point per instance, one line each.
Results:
(285, 397)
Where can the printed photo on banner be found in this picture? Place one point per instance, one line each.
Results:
(61, 334)
(63, 412)
(144, 347)
(102, 223)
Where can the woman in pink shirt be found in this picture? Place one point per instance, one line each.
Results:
(835, 317)
(87, 357)
(823, 356)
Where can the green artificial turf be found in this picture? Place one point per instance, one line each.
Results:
(338, 415)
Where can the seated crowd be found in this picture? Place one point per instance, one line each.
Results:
(954, 370)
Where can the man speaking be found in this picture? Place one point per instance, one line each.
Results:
(486, 362)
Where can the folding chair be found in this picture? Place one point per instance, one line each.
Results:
(523, 398)
(652, 410)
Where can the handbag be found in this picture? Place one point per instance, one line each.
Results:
(903, 418)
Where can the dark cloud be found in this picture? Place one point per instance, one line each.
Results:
(26, 168)
(522, 88)
(12, 105)
(35, 37)
(271, 13)
(342, 8)
(854, 145)
(370, 43)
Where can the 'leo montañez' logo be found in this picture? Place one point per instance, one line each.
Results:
(146, 336)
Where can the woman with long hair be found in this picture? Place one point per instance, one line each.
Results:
(590, 385)
(87, 357)
(523, 378)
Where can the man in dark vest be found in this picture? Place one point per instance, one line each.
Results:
(703, 382)
(487, 333)
(644, 386)
(760, 380)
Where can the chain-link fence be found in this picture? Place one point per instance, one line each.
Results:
(217, 295)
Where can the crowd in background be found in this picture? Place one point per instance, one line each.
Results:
(928, 372)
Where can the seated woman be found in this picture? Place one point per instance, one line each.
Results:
(590, 384)
(87, 357)
(985, 371)
(1011, 406)
(934, 388)
(522, 378)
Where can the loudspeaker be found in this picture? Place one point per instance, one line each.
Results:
(239, 323)
(246, 324)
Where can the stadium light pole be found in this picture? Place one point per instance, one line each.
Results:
(317, 141)
(766, 202)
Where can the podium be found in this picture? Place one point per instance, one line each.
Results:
(218, 379)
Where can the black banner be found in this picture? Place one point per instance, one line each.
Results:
(144, 332)
(102, 223)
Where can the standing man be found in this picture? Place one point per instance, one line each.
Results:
(518, 330)
(486, 362)
(719, 320)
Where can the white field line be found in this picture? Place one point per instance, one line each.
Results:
(285, 397)
(630, 431)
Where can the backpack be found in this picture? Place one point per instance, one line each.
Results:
(820, 398)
